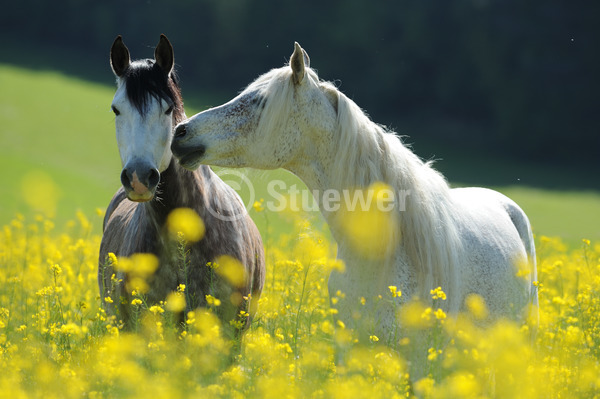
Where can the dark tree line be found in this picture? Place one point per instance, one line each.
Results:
(519, 78)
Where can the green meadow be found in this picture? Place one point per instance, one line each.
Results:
(58, 154)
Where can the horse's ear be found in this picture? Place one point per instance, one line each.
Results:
(164, 54)
(299, 62)
(119, 57)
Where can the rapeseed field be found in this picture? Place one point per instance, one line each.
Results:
(57, 342)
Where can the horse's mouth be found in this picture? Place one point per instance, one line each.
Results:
(192, 159)
(135, 197)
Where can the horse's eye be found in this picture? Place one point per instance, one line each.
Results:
(115, 110)
(169, 110)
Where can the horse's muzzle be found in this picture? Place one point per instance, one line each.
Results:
(189, 156)
(140, 181)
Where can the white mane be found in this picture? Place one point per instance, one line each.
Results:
(276, 85)
(367, 152)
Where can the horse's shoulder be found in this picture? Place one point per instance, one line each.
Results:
(222, 195)
(116, 200)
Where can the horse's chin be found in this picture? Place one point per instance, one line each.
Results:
(192, 160)
(144, 197)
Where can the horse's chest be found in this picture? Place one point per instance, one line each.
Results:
(370, 290)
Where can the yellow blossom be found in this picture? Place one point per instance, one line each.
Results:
(232, 270)
(212, 301)
(476, 306)
(439, 314)
(371, 226)
(112, 259)
(438, 294)
(187, 222)
(175, 302)
(394, 291)
(259, 205)
(156, 309)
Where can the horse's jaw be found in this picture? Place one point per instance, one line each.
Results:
(191, 161)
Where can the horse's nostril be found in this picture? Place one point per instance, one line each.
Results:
(180, 132)
(140, 179)
(153, 178)
(125, 178)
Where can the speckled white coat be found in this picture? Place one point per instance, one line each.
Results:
(468, 240)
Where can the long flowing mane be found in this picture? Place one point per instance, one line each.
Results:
(368, 152)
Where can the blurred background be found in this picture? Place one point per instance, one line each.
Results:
(506, 79)
(500, 93)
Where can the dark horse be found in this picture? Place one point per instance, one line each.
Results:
(148, 105)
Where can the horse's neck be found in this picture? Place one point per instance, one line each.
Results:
(343, 165)
(361, 161)
(426, 223)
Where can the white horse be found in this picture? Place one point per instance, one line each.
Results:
(466, 240)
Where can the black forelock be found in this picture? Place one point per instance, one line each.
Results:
(145, 79)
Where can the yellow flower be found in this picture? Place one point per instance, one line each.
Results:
(212, 265)
(232, 270)
(187, 222)
(432, 354)
(416, 315)
(40, 192)
(439, 314)
(175, 302)
(327, 327)
(56, 269)
(373, 338)
(371, 225)
(438, 294)
(394, 291)
(259, 205)
(112, 259)
(108, 299)
(136, 302)
(212, 301)
(141, 264)
(424, 387)
(476, 306)
(156, 309)
(138, 284)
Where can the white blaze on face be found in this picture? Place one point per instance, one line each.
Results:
(146, 137)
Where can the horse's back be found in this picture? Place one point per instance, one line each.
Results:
(498, 249)
(483, 207)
